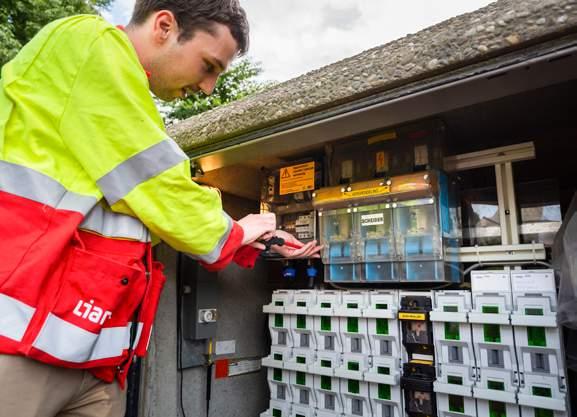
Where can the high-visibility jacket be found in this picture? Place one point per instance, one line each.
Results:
(86, 170)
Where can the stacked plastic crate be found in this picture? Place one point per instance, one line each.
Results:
(356, 351)
(281, 352)
(384, 374)
(496, 363)
(454, 354)
(543, 391)
(343, 358)
(328, 354)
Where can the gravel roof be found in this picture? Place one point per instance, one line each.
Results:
(496, 29)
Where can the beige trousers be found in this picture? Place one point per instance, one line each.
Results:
(33, 389)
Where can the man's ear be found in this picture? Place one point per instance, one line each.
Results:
(164, 26)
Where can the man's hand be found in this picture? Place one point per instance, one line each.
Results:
(308, 250)
(257, 226)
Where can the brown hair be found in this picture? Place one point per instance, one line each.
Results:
(193, 15)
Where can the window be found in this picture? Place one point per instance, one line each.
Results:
(278, 320)
(301, 321)
(325, 323)
(281, 338)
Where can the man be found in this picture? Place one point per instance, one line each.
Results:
(86, 171)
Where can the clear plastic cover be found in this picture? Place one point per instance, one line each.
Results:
(417, 230)
(337, 235)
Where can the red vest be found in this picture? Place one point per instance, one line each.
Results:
(86, 302)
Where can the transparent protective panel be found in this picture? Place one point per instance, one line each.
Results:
(337, 233)
(417, 229)
(377, 247)
(376, 229)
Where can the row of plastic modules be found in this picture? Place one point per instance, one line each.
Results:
(300, 394)
(396, 230)
(498, 348)
(334, 353)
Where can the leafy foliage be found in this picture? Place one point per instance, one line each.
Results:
(20, 20)
(238, 82)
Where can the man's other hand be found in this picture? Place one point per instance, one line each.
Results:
(257, 226)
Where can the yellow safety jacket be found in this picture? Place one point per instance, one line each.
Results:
(84, 157)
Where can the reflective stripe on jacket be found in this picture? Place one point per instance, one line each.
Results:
(86, 169)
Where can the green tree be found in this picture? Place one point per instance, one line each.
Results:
(20, 20)
(234, 84)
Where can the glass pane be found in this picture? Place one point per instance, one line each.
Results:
(278, 320)
(301, 321)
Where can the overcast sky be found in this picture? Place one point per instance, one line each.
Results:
(291, 37)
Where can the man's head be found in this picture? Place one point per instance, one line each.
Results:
(186, 44)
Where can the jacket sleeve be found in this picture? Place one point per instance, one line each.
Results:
(112, 127)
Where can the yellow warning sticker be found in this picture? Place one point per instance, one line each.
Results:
(412, 316)
(297, 178)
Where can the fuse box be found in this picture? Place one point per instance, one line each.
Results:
(389, 231)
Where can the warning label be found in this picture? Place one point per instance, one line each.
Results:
(297, 178)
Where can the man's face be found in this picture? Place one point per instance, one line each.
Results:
(193, 65)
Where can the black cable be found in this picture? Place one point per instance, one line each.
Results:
(179, 292)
